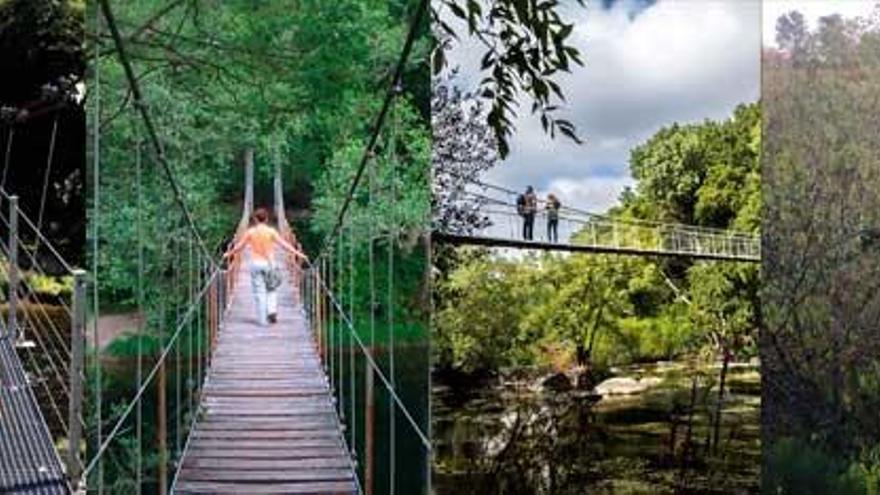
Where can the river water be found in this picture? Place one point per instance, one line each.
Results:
(511, 436)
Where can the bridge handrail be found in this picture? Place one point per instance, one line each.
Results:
(182, 323)
(294, 264)
(634, 221)
(44, 241)
(661, 227)
(368, 355)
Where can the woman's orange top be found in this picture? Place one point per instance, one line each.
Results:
(262, 240)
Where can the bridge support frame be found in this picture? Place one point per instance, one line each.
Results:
(77, 361)
(248, 182)
(369, 431)
(12, 315)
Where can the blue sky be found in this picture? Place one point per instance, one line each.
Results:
(648, 64)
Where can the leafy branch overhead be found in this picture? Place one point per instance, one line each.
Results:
(525, 47)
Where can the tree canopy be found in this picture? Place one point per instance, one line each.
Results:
(819, 342)
(298, 83)
(42, 59)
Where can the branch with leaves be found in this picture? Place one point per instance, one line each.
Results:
(526, 47)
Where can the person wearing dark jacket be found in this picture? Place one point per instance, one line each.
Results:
(529, 208)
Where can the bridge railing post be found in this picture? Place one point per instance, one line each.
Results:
(369, 430)
(77, 360)
(248, 182)
(12, 316)
(221, 295)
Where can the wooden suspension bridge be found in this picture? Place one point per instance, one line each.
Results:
(268, 423)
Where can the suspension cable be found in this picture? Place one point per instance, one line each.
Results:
(140, 303)
(47, 174)
(392, 240)
(337, 306)
(634, 221)
(44, 241)
(95, 220)
(9, 137)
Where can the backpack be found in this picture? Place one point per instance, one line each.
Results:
(521, 204)
(273, 278)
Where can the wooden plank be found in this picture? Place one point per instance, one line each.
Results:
(325, 487)
(312, 453)
(311, 474)
(267, 434)
(251, 424)
(268, 464)
(265, 443)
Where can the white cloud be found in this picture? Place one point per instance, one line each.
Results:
(592, 194)
(677, 61)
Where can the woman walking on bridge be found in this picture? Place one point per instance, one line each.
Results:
(265, 274)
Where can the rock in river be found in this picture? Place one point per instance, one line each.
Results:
(625, 385)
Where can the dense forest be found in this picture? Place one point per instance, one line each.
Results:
(41, 43)
(604, 310)
(820, 345)
(298, 86)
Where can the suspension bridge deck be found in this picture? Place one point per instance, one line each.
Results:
(28, 462)
(748, 251)
(581, 231)
(268, 424)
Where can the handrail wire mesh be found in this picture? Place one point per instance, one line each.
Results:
(503, 224)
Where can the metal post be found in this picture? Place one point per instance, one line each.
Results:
(77, 359)
(369, 429)
(212, 298)
(12, 317)
(279, 194)
(248, 182)
(162, 429)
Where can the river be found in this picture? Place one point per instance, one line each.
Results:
(512, 436)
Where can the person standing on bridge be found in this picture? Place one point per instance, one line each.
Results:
(262, 240)
(553, 206)
(527, 204)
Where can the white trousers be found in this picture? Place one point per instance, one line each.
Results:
(265, 301)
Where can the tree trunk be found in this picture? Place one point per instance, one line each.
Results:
(593, 332)
(718, 406)
(688, 438)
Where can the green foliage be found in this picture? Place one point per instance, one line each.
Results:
(819, 344)
(526, 48)
(795, 466)
(41, 55)
(300, 86)
(394, 197)
(478, 326)
(704, 174)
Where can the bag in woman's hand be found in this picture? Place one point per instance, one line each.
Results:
(273, 278)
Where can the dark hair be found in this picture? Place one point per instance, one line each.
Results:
(261, 215)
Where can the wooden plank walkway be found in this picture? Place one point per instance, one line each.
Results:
(268, 424)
